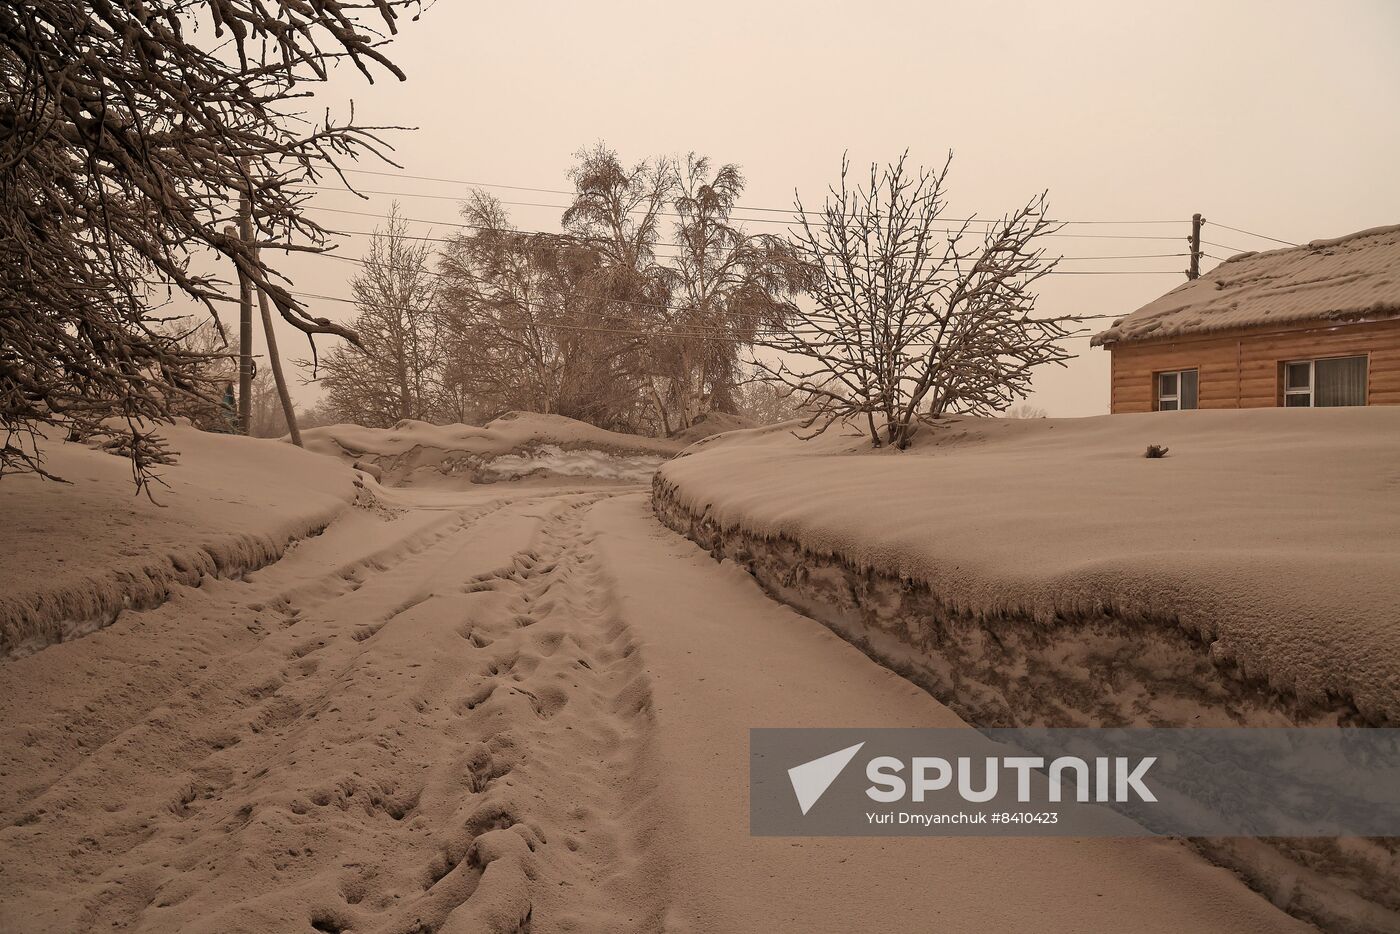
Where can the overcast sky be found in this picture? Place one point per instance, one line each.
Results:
(1277, 117)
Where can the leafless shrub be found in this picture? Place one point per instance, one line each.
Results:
(911, 320)
(123, 141)
(766, 402)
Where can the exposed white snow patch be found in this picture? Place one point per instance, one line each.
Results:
(516, 445)
(552, 459)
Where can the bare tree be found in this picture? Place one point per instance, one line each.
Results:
(912, 320)
(498, 305)
(218, 368)
(617, 210)
(727, 286)
(1024, 410)
(122, 142)
(765, 401)
(393, 373)
(527, 322)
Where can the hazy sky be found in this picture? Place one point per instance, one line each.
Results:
(1275, 117)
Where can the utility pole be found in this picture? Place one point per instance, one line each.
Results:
(245, 320)
(1195, 271)
(245, 334)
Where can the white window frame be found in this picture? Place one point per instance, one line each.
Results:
(1307, 390)
(1175, 398)
(1310, 391)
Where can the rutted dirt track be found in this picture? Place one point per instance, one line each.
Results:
(493, 712)
(378, 747)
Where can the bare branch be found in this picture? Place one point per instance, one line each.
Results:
(124, 144)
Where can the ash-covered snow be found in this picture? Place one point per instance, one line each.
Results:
(1274, 535)
(552, 459)
(713, 423)
(74, 555)
(515, 445)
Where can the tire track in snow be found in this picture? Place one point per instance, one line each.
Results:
(407, 747)
(230, 621)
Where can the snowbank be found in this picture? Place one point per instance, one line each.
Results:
(713, 423)
(1044, 573)
(516, 445)
(1268, 539)
(73, 556)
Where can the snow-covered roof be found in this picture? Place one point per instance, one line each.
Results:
(1356, 276)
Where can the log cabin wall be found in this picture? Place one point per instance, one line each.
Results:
(1242, 368)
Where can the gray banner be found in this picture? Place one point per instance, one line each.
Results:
(1075, 782)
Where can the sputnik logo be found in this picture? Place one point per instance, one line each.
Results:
(810, 780)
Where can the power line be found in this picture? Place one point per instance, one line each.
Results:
(624, 301)
(517, 230)
(1053, 272)
(741, 207)
(565, 191)
(457, 181)
(765, 220)
(1223, 246)
(1252, 234)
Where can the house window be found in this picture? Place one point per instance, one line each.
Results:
(1327, 382)
(1176, 389)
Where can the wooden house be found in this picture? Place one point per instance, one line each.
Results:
(1314, 325)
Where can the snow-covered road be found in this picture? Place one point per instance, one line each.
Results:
(522, 709)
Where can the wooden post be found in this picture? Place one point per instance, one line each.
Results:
(275, 361)
(245, 321)
(1195, 271)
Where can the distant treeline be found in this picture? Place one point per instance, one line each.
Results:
(635, 318)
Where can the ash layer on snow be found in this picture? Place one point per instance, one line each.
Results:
(1045, 573)
(515, 446)
(1272, 537)
(76, 554)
